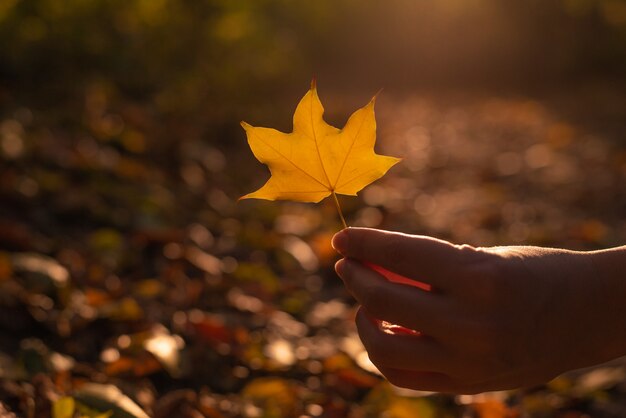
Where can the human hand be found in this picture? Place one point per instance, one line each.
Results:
(496, 318)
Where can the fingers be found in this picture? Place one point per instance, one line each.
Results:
(417, 257)
(419, 362)
(418, 353)
(397, 303)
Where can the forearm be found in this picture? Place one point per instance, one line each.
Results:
(611, 262)
(610, 265)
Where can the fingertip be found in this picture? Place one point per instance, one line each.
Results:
(362, 323)
(347, 241)
(366, 318)
(340, 241)
(347, 267)
(340, 267)
(368, 329)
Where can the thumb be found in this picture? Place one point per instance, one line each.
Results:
(414, 256)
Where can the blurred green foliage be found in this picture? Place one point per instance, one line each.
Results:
(181, 54)
(152, 75)
(216, 57)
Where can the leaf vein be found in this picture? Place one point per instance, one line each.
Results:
(289, 161)
(345, 159)
(317, 147)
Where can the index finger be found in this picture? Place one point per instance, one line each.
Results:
(399, 304)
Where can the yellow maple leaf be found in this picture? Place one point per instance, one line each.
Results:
(317, 160)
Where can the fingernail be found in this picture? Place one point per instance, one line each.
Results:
(340, 241)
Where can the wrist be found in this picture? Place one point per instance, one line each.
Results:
(610, 279)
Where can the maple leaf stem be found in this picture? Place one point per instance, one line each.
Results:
(343, 220)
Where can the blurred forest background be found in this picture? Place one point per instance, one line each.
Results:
(133, 284)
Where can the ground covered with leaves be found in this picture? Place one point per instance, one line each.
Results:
(134, 284)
